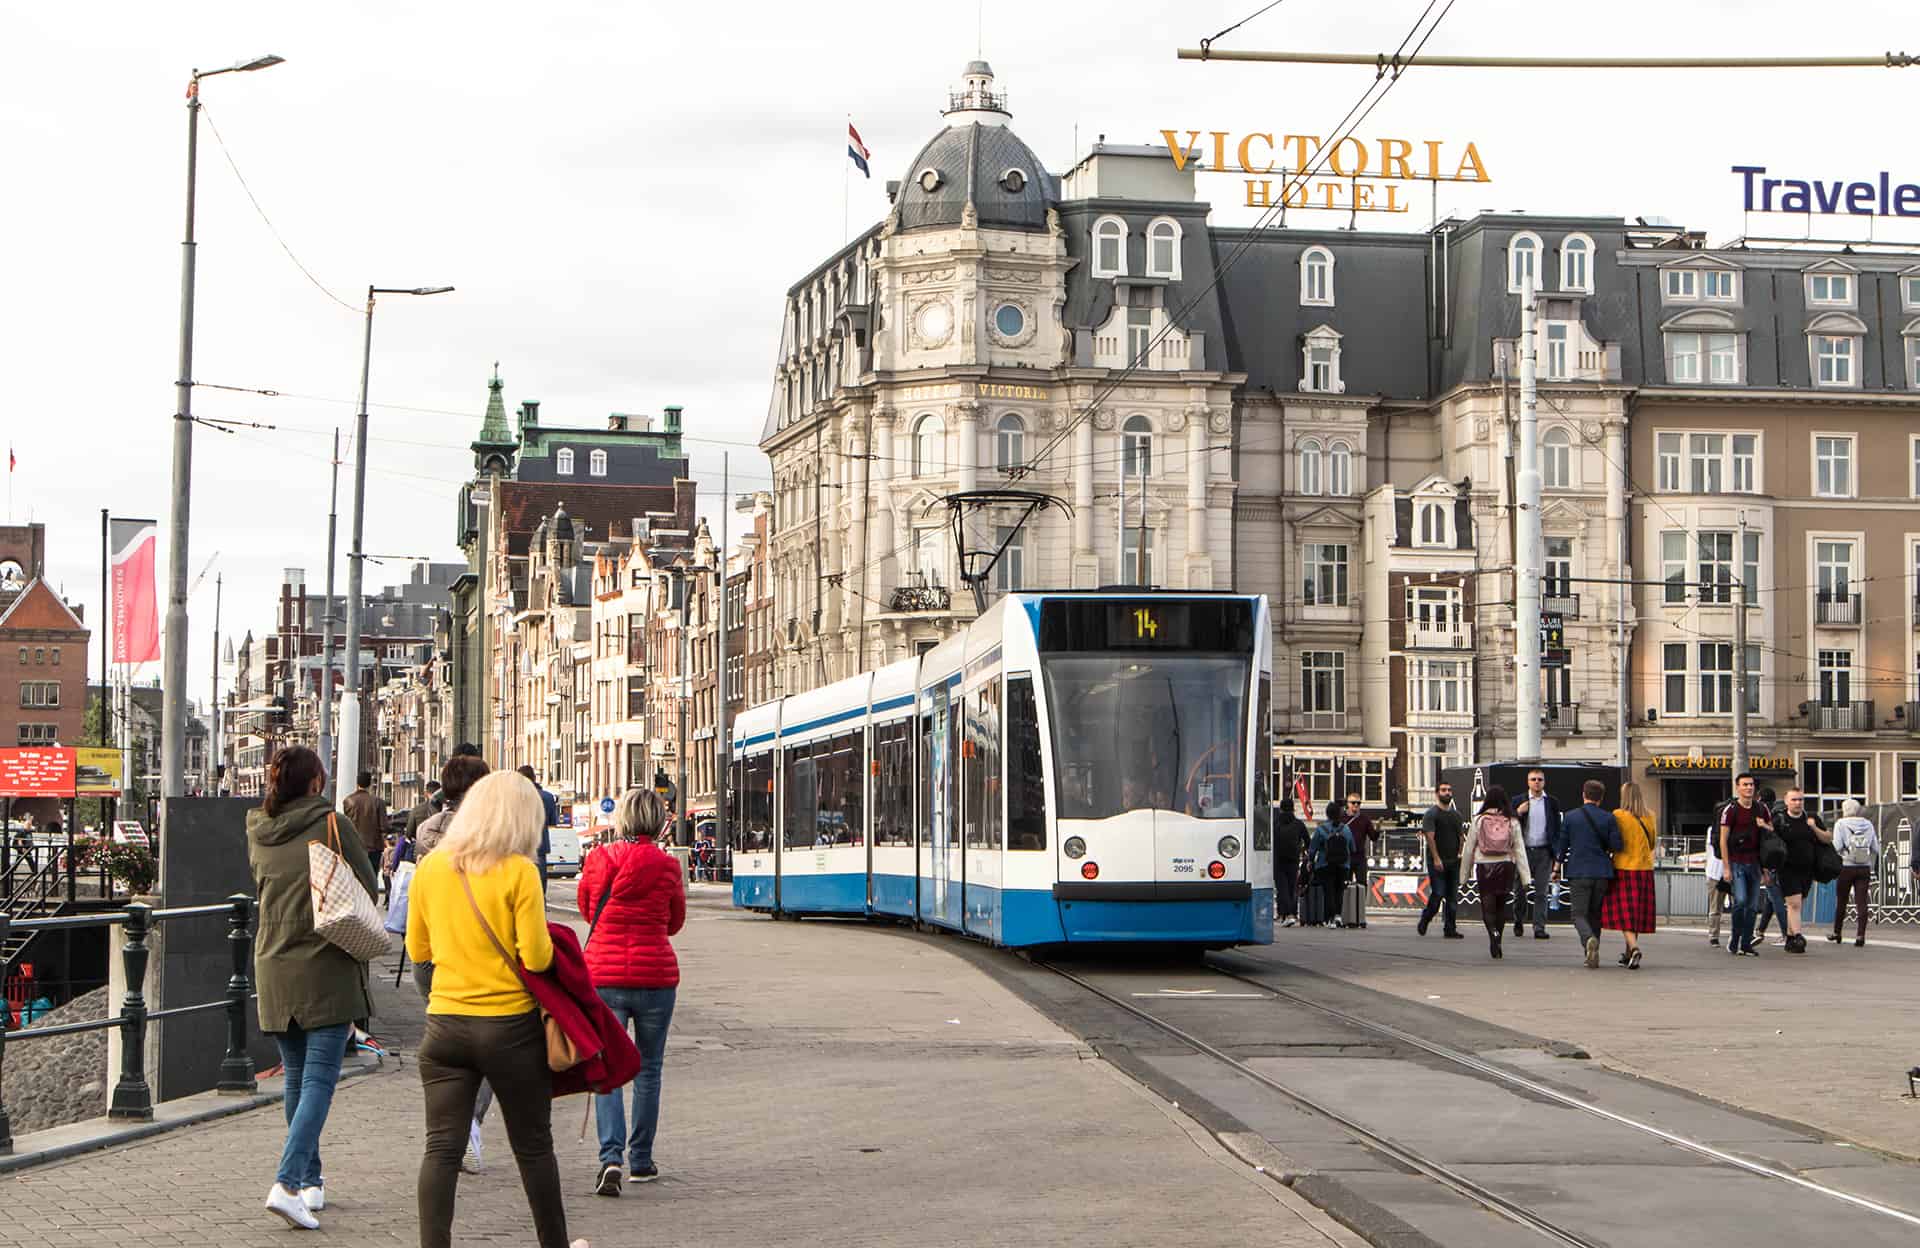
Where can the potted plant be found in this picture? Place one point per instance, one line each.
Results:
(130, 865)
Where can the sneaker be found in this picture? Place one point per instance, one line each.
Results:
(470, 1163)
(1714, 941)
(1593, 951)
(1752, 950)
(1287, 922)
(1519, 930)
(1338, 923)
(1796, 944)
(1453, 935)
(643, 1174)
(315, 1197)
(289, 1208)
(1633, 963)
(1423, 924)
(1542, 934)
(609, 1182)
(1626, 956)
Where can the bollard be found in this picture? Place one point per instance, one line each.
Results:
(6, 1124)
(236, 1069)
(132, 1096)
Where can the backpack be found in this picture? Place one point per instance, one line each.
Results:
(1338, 849)
(1859, 851)
(1495, 834)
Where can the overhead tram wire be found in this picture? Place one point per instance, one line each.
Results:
(1383, 83)
(1262, 11)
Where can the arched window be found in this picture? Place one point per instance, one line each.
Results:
(1339, 469)
(1435, 524)
(1010, 443)
(597, 464)
(1136, 447)
(1523, 262)
(1556, 459)
(1576, 263)
(1316, 277)
(1163, 249)
(929, 446)
(563, 462)
(1110, 247)
(1310, 457)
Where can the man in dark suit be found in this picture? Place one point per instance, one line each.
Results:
(1540, 817)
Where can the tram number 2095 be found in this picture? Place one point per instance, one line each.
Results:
(1184, 866)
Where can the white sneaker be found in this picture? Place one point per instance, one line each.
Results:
(1289, 922)
(289, 1208)
(470, 1164)
(315, 1197)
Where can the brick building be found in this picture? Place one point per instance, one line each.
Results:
(43, 640)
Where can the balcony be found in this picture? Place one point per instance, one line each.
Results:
(1323, 721)
(1841, 716)
(1562, 604)
(1561, 721)
(1910, 718)
(920, 598)
(1846, 610)
(1437, 635)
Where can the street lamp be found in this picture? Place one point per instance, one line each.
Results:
(349, 743)
(173, 726)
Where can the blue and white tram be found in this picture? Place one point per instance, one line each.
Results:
(1071, 767)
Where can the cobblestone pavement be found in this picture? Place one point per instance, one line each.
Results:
(826, 1083)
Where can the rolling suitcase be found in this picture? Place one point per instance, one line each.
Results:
(1313, 905)
(1353, 904)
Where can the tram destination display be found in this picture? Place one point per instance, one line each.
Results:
(1224, 626)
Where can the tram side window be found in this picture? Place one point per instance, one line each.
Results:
(756, 796)
(991, 787)
(954, 716)
(1263, 768)
(893, 784)
(974, 771)
(1026, 788)
(923, 785)
(837, 809)
(802, 804)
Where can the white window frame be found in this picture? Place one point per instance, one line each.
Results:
(1428, 761)
(1010, 442)
(1430, 692)
(1167, 230)
(1556, 579)
(929, 556)
(1117, 235)
(1824, 484)
(929, 442)
(597, 462)
(1130, 546)
(1576, 276)
(1821, 347)
(1913, 477)
(1316, 278)
(1516, 273)
(1321, 376)
(1835, 577)
(1327, 669)
(1680, 285)
(1715, 567)
(1674, 679)
(1910, 291)
(1715, 684)
(1327, 580)
(1743, 470)
(1339, 469)
(1558, 337)
(563, 462)
(1836, 676)
(1136, 447)
(1439, 534)
(1684, 349)
(1732, 279)
(1010, 572)
(1670, 457)
(1556, 459)
(1716, 348)
(1830, 299)
(1912, 340)
(1310, 468)
(1707, 462)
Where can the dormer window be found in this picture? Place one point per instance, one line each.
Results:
(1682, 284)
(1433, 523)
(1110, 247)
(1523, 263)
(1316, 278)
(1320, 363)
(1833, 346)
(563, 462)
(1717, 285)
(1576, 264)
(1830, 290)
(1163, 249)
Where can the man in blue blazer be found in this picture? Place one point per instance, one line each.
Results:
(1540, 816)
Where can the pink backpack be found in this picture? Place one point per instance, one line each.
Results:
(1496, 834)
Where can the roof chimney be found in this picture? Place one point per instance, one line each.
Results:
(673, 418)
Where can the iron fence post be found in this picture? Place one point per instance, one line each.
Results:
(236, 1070)
(132, 1096)
(6, 1124)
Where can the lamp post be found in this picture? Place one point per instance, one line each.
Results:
(173, 710)
(349, 743)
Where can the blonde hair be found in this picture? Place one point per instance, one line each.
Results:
(1851, 808)
(1633, 803)
(500, 816)
(642, 815)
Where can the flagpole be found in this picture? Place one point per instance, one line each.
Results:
(846, 230)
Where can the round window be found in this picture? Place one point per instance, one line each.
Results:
(1009, 320)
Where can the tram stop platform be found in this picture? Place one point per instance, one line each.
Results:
(826, 1082)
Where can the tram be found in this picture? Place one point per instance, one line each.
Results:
(1069, 768)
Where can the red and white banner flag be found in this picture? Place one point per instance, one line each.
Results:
(136, 617)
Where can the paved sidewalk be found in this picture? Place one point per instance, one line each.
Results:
(825, 1083)
(1824, 1038)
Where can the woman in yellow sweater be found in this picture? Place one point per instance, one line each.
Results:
(481, 885)
(1628, 906)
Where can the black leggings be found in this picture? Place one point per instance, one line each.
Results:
(510, 1053)
(1852, 880)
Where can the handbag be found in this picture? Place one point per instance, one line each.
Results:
(562, 1053)
(397, 893)
(343, 914)
(1826, 863)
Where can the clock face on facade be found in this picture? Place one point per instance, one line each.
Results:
(12, 575)
(935, 322)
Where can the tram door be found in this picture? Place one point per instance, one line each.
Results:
(940, 825)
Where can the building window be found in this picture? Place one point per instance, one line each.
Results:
(1556, 459)
(1431, 756)
(1833, 359)
(1910, 779)
(1681, 284)
(1109, 247)
(1326, 574)
(1750, 564)
(1010, 443)
(1559, 568)
(1913, 360)
(1836, 677)
(1136, 557)
(1829, 782)
(1833, 572)
(1523, 263)
(1010, 573)
(1439, 687)
(1723, 359)
(56, 656)
(597, 464)
(1435, 524)
(1320, 363)
(1557, 351)
(1910, 293)
(1716, 678)
(1310, 458)
(1673, 664)
(929, 446)
(1316, 277)
(1323, 685)
(1830, 290)
(1717, 285)
(1139, 335)
(1339, 469)
(40, 693)
(563, 462)
(1683, 358)
(1833, 466)
(930, 557)
(23, 655)
(1706, 463)
(1163, 249)
(1746, 448)
(1576, 263)
(1914, 446)
(1667, 451)
(38, 734)
(1714, 551)
(1136, 447)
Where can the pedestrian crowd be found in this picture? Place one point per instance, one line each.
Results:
(518, 1012)
(1763, 858)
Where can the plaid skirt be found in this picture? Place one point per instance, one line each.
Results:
(1628, 906)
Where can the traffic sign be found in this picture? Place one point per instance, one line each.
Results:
(606, 805)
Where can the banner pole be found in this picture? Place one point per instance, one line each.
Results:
(106, 616)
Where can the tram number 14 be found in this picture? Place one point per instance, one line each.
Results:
(1145, 626)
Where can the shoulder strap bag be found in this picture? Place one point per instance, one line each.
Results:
(606, 895)
(562, 1053)
(343, 914)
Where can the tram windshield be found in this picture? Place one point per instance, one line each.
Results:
(1149, 732)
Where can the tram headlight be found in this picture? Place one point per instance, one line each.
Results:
(1217, 870)
(1090, 870)
(1229, 847)
(1074, 847)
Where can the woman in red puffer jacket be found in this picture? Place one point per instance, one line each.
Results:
(633, 895)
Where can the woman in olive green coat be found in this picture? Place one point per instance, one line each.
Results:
(311, 991)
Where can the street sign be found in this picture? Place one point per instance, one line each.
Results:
(606, 805)
(1552, 630)
(1555, 658)
(129, 832)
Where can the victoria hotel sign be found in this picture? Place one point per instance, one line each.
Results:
(1297, 171)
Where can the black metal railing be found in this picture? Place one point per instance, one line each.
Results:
(1842, 716)
(132, 1097)
(920, 598)
(1838, 609)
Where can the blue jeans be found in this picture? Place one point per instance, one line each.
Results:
(650, 1011)
(1772, 904)
(1744, 878)
(312, 1063)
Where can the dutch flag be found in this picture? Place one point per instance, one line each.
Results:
(857, 151)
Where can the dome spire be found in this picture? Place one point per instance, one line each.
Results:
(977, 102)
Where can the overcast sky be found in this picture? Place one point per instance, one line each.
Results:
(622, 193)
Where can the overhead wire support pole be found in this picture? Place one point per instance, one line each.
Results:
(1527, 554)
(1384, 64)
